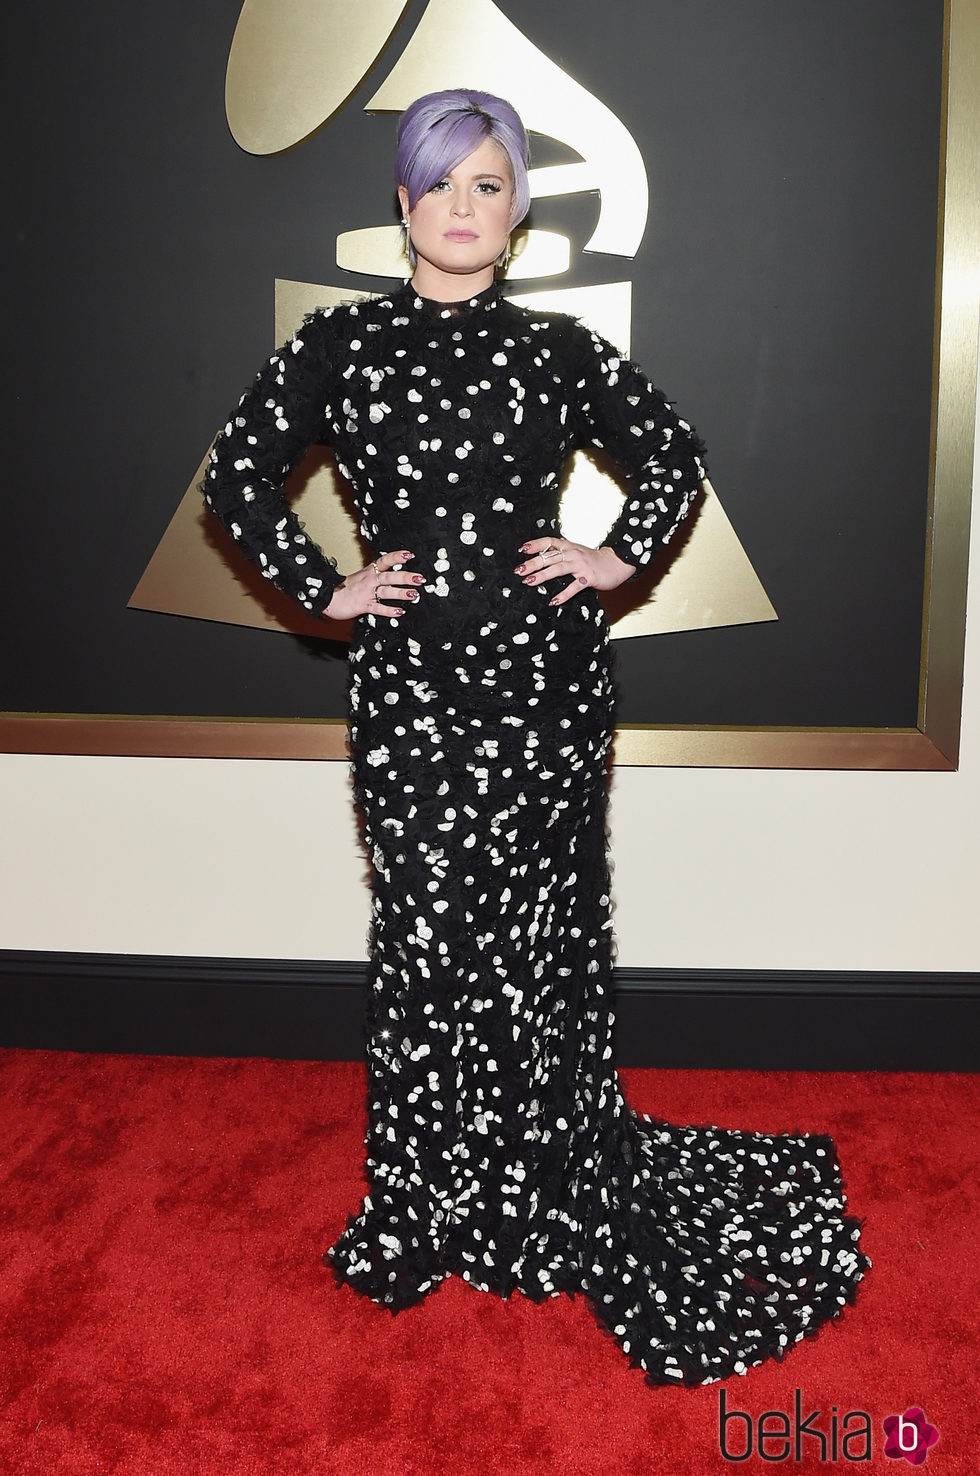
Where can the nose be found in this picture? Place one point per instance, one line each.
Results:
(462, 206)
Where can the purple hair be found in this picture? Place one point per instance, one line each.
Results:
(440, 130)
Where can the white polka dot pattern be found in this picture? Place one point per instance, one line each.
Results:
(499, 1146)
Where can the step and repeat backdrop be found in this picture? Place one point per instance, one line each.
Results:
(745, 196)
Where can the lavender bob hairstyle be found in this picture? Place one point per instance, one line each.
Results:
(440, 130)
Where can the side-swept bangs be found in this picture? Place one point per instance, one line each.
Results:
(440, 130)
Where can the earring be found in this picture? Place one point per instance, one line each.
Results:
(504, 257)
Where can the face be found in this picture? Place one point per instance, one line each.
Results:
(461, 226)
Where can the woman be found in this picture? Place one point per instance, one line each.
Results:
(499, 1143)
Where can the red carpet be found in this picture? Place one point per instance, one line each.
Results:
(166, 1313)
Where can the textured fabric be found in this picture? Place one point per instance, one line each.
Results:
(500, 1146)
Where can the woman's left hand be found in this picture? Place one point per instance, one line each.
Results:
(580, 566)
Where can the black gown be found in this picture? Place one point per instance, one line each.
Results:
(499, 1143)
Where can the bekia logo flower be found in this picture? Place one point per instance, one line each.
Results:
(909, 1435)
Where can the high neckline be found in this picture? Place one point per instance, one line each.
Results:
(485, 301)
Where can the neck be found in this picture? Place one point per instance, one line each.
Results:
(440, 286)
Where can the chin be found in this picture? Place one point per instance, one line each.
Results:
(462, 263)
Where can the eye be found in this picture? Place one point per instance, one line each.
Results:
(439, 186)
(488, 187)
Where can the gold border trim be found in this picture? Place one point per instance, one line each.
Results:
(954, 385)
(638, 744)
(934, 745)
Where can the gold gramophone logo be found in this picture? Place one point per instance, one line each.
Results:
(293, 64)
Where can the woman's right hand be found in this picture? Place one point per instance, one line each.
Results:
(368, 591)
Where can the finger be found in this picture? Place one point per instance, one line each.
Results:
(396, 579)
(393, 612)
(536, 564)
(575, 587)
(388, 590)
(376, 573)
(533, 551)
(389, 560)
(561, 560)
(550, 571)
(388, 565)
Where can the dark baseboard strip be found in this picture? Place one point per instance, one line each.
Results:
(297, 1009)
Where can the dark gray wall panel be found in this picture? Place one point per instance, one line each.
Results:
(784, 298)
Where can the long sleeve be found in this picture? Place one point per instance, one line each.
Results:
(618, 410)
(274, 424)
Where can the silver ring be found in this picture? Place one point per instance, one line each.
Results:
(377, 571)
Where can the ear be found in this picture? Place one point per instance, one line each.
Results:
(403, 201)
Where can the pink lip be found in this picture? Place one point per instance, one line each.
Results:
(461, 235)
